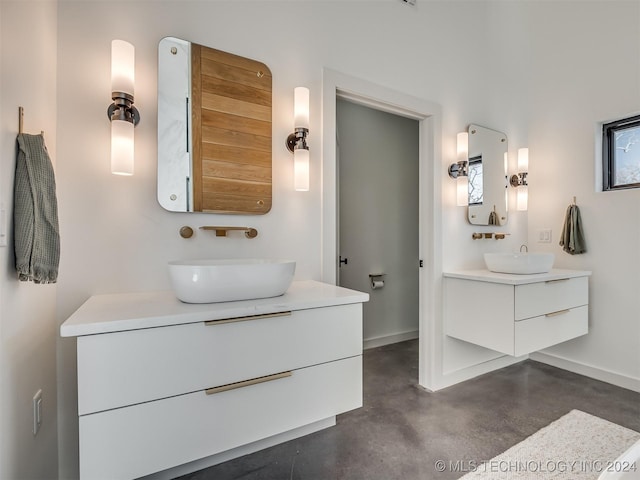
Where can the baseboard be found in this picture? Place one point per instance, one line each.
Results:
(473, 371)
(389, 339)
(240, 451)
(624, 381)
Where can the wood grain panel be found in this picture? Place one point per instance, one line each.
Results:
(236, 204)
(226, 58)
(236, 187)
(236, 155)
(236, 75)
(196, 127)
(233, 106)
(232, 112)
(231, 170)
(229, 137)
(236, 90)
(236, 123)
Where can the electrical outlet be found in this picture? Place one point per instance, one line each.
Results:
(37, 411)
(544, 236)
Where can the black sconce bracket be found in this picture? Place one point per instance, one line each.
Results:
(519, 180)
(122, 108)
(458, 169)
(297, 140)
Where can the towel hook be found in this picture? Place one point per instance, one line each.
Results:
(21, 121)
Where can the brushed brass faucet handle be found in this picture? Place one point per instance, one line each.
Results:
(186, 232)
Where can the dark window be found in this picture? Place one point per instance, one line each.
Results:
(621, 154)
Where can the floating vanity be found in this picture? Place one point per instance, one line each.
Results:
(516, 314)
(162, 383)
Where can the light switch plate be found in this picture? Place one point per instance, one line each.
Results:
(544, 235)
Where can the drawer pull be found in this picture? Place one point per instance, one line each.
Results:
(559, 312)
(246, 383)
(557, 280)
(210, 323)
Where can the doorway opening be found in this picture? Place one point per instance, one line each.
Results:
(377, 155)
(337, 85)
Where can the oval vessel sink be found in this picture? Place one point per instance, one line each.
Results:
(519, 263)
(211, 281)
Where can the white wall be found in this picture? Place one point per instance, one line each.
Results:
(493, 97)
(28, 327)
(591, 76)
(117, 238)
(466, 56)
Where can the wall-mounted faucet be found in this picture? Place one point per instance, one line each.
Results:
(497, 235)
(222, 231)
(526, 249)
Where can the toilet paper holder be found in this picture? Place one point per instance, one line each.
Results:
(377, 280)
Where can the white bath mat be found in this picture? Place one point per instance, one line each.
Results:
(576, 446)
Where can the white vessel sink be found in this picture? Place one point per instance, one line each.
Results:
(519, 263)
(211, 281)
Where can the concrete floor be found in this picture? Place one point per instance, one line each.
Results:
(402, 430)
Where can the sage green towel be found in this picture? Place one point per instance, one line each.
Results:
(572, 236)
(35, 212)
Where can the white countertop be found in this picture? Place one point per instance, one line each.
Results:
(133, 311)
(512, 279)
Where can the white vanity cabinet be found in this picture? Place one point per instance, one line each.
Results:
(516, 314)
(162, 383)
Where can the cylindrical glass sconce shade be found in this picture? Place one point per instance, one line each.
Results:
(462, 191)
(122, 67)
(522, 198)
(462, 144)
(121, 147)
(301, 107)
(301, 169)
(523, 159)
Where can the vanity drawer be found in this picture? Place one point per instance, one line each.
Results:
(541, 332)
(535, 299)
(126, 368)
(142, 439)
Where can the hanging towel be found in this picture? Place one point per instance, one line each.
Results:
(35, 212)
(572, 237)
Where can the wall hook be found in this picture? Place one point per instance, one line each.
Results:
(21, 121)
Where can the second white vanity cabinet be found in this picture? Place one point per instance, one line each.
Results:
(516, 314)
(162, 383)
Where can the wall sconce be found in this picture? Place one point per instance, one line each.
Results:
(123, 115)
(297, 141)
(459, 170)
(519, 180)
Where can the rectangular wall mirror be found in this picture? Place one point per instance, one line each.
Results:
(214, 130)
(487, 176)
